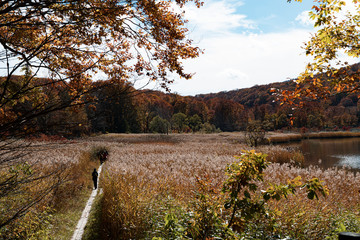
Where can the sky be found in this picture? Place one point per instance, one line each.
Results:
(245, 43)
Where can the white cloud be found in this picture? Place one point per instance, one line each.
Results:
(235, 58)
(237, 61)
(217, 17)
(233, 75)
(304, 19)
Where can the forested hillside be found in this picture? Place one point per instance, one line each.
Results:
(121, 108)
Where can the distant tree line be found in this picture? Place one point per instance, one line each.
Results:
(119, 108)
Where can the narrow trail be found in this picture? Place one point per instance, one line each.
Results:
(85, 214)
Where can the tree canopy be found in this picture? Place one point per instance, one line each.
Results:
(75, 38)
(121, 40)
(336, 37)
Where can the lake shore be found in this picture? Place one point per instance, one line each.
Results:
(277, 137)
(274, 137)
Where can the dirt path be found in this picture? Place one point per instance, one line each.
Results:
(85, 214)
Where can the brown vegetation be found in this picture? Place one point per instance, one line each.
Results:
(53, 181)
(160, 178)
(147, 177)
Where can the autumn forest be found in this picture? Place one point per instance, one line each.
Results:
(122, 109)
(77, 149)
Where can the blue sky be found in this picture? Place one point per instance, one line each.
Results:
(246, 43)
(272, 15)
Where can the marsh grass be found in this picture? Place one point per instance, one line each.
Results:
(303, 219)
(126, 203)
(149, 182)
(140, 175)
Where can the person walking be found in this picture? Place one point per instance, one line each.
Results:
(95, 177)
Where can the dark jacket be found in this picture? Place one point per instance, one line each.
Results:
(95, 174)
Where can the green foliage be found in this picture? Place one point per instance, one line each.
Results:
(206, 220)
(159, 125)
(169, 220)
(201, 219)
(195, 123)
(241, 177)
(240, 188)
(179, 122)
(209, 128)
(347, 222)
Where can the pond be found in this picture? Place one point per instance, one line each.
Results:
(330, 152)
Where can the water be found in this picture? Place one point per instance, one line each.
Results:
(330, 152)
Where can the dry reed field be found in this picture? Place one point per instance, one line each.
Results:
(169, 187)
(145, 171)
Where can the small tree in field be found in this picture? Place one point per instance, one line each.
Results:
(255, 134)
(226, 213)
(195, 123)
(179, 122)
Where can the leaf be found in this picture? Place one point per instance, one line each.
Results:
(311, 195)
(247, 194)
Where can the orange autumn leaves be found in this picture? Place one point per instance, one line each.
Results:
(336, 39)
(74, 40)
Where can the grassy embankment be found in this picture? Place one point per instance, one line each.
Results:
(150, 188)
(275, 137)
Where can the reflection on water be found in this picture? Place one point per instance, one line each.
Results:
(330, 152)
(352, 161)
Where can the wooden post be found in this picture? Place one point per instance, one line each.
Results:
(349, 236)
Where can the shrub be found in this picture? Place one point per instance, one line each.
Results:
(281, 155)
(255, 134)
(209, 128)
(96, 152)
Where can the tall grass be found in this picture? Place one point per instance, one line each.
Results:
(302, 219)
(126, 206)
(141, 176)
(150, 189)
